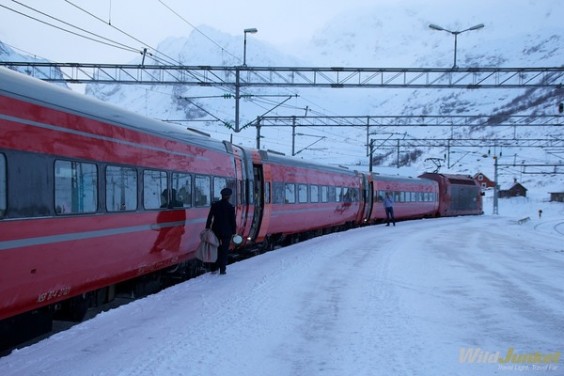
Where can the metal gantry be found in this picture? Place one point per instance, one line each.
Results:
(240, 77)
(413, 120)
(327, 77)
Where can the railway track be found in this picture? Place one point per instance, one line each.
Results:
(552, 227)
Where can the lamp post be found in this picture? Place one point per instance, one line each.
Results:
(251, 30)
(455, 33)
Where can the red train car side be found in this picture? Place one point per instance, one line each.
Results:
(91, 195)
(413, 197)
(306, 197)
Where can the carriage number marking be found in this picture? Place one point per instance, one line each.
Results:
(52, 294)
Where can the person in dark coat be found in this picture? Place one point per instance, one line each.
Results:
(221, 220)
(389, 206)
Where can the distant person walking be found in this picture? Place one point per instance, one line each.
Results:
(221, 220)
(389, 206)
(540, 213)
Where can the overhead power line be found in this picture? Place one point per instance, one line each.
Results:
(110, 43)
(170, 59)
(198, 30)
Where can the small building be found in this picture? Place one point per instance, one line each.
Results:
(516, 191)
(484, 181)
(557, 196)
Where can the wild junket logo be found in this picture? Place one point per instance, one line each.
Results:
(532, 360)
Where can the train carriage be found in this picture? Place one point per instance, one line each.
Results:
(91, 195)
(458, 194)
(305, 197)
(413, 197)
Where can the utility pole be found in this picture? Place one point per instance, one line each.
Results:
(237, 96)
(496, 188)
(371, 154)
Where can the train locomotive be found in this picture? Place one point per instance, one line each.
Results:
(94, 198)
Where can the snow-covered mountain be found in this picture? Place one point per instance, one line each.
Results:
(9, 54)
(521, 33)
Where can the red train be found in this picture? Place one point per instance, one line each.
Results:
(93, 198)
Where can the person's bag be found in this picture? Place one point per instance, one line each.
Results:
(207, 250)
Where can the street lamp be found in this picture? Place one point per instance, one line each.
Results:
(455, 33)
(252, 30)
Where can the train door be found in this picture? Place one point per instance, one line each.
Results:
(245, 198)
(259, 191)
(264, 203)
(263, 196)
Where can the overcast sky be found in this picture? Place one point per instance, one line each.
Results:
(279, 22)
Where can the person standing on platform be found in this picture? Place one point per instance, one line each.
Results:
(389, 206)
(221, 220)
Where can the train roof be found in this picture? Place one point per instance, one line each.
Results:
(296, 162)
(403, 179)
(451, 178)
(18, 85)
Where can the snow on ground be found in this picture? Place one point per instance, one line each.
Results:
(447, 296)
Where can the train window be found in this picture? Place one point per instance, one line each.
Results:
(314, 193)
(76, 187)
(267, 193)
(155, 194)
(324, 193)
(202, 191)
(402, 197)
(253, 192)
(241, 192)
(3, 183)
(182, 184)
(396, 196)
(380, 196)
(237, 193)
(350, 194)
(278, 192)
(302, 193)
(121, 188)
(332, 194)
(290, 193)
(218, 185)
(338, 194)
